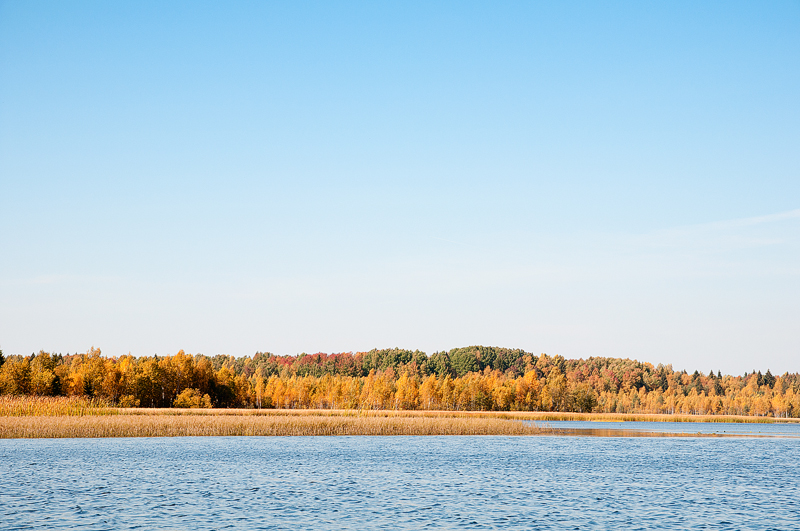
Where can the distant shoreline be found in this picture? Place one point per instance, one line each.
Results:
(178, 422)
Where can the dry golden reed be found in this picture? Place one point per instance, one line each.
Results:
(541, 416)
(654, 417)
(249, 425)
(53, 406)
(60, 417)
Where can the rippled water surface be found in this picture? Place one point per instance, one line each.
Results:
(401, 483)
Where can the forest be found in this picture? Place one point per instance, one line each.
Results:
(463, 379)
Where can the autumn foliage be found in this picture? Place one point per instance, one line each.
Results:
(465, 379)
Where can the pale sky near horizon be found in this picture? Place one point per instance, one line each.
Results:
(584, 179)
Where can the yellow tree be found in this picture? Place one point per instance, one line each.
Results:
(503, 395)
(407, 394)
(557, 389)
(446, 390)
(15, 377)
(276, 391)
(430, 397)
(527, 391)
(43, 376)
(112, 386)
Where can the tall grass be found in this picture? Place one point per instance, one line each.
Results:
(655, 417)
(239, 425)
(59, 406)
(508, 415)
(58, 417)
(53, 406)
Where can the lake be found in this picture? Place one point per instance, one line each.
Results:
(633, 429)
(541, 482)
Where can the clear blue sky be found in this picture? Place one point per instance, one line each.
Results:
(583, 179)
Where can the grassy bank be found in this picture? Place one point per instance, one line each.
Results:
(40, 417)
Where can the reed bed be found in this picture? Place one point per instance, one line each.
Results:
(59, 417)
(254, 425)
(541, 416)
(654, 417)
(53, 406)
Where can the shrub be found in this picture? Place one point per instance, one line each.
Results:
(129, 401)
(192, 398)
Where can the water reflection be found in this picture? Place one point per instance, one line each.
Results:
(672, 429)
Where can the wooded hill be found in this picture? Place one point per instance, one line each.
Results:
(471, 378)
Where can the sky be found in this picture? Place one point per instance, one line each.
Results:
(577, 178)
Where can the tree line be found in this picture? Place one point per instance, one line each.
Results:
(471, 378)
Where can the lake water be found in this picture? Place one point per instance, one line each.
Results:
(543, 482)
